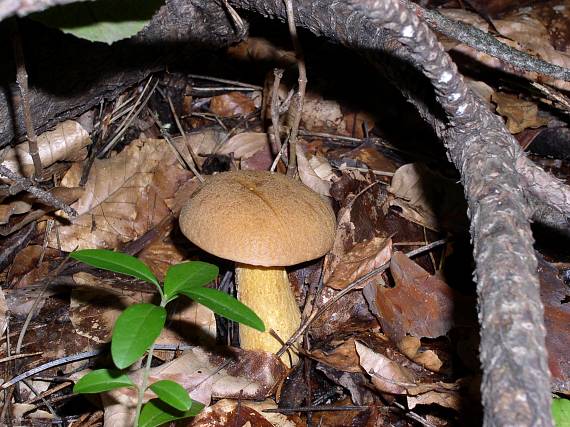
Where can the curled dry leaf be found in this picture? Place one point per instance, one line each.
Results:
(228, 412)
(65, 142)
(420, 304)
(427, 198)
(520, 114)
(387, 376)
(232, 104)
(17, 207)
(322, 115)
(361, 259)
(222, 373)
(410, 346)
(259, 49)
(315, 173)
(251, 148)
(343, 357)
(125, 196)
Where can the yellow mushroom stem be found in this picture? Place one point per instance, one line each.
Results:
(267, 291)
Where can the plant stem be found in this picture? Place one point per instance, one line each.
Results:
(146, 373)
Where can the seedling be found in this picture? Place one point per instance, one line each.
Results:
(138, 327)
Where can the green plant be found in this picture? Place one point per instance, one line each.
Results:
(561, 412)
(137, 328)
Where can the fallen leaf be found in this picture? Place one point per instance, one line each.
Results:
(65, 142)
(221, 373)
(243, 413)
(427, 198)
(308, 173)
(260, 49)
(232, 104)
(322, 115)
(410, 347)
(386, 375)
(359, 260)
(420, 305)
(251, 148)
(17, 207)
(124, 196)
(520, 114)
(342, 357)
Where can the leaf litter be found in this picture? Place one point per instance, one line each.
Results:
(406, 336)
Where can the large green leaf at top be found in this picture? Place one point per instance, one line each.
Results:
(155, 413)
(104, 21)
(188, 275)
(135, 331)
(117, 262)
(225, 305)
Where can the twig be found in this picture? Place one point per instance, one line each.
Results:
(486, 43)
(318, 312)
(22, 80)
(44, 196)
(19, 356)
(132, 115)
(297, 106)
(278, 73)
(225, 81)
(196, 168)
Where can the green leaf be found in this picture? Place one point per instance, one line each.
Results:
(117, 262)
(561, 412)
(104, 21)
(102, 380)
(135, 331)
(225, 305)
(188, 275)
(156, 413)
(172, 393)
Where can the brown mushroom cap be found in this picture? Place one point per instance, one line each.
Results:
(258, 218)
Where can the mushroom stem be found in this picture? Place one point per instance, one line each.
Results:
(267, 291)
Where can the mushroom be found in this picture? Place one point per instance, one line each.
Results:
(264, 222)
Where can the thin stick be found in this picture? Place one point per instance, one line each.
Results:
(186, 144)
(225, 81)
(297, 105)
(22, 80)
(278, 73)
(44, 196)
(318, 312)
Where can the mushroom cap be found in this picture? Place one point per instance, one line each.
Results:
(258, 218)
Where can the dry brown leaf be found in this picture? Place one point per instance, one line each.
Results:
(314, 173)
(343, 357)
(387, 376)
(95, 306)
(223, 373)
(124, 196)
(202, 142)
(427, 198)
(252, 148)
(17, 207)
(322, 115)
(420, 304)
(450, 399)
(228, 412)
(361, 259)
(232, 104)
(410, 347)
(259, 49)
(65, 142)
(520, 114)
